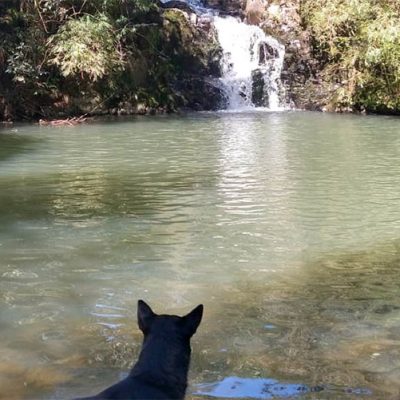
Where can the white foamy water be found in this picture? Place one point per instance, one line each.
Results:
(252, 62)
(248, 50)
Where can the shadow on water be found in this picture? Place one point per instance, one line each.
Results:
(69, 196)
(12, 145)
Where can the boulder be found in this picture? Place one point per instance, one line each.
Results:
(254, 11)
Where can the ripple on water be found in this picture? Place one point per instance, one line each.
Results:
(19, 274)
(191, 209)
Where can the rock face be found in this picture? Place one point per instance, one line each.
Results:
(254, 11)
(303, 86)
(201, 94)
(281, 19)
(195, 49)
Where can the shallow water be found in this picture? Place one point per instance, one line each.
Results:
(285, 225)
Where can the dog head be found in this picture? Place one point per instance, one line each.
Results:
(180, 327)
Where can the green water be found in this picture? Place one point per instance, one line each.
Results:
(285, 225)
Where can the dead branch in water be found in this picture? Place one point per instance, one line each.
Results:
(62, 122)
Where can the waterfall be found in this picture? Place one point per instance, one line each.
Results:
(252, 65)
(252, 62)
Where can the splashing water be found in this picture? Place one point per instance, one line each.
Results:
(252, 62)
(252, 65)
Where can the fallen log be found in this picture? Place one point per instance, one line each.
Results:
(63, 122)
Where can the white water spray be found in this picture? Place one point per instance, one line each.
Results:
(252, 65)
(252, 62)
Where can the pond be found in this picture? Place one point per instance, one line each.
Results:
(286, 226)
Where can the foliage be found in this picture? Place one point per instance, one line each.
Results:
(24, 78)
(359, 43)
(74, 56)
(88, 46)
(25, 59)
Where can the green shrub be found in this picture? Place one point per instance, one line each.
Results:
(86, 46)
(358, 41)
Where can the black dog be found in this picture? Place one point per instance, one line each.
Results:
(162, 369)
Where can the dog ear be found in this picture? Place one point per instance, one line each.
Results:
(192, 320)
(145, 316)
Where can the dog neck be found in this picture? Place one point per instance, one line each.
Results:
(165, 362)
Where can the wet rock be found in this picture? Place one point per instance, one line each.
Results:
(205, 23)
(231, 7)
(181, 5)
(201, 95)
(266, 53)
(259, 96)
(306, 84)
(303, 86)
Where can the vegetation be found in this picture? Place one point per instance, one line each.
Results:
(86, 46)
(358, 44)
(67, 57)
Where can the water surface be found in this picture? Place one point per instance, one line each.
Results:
(285, 225)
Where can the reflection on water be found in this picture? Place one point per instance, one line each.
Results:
(234, 387)
(253, 388)
(286, 226)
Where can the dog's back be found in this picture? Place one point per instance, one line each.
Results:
(136, 388)
(162, 369)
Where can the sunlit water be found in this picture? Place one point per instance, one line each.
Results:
(285, 225)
